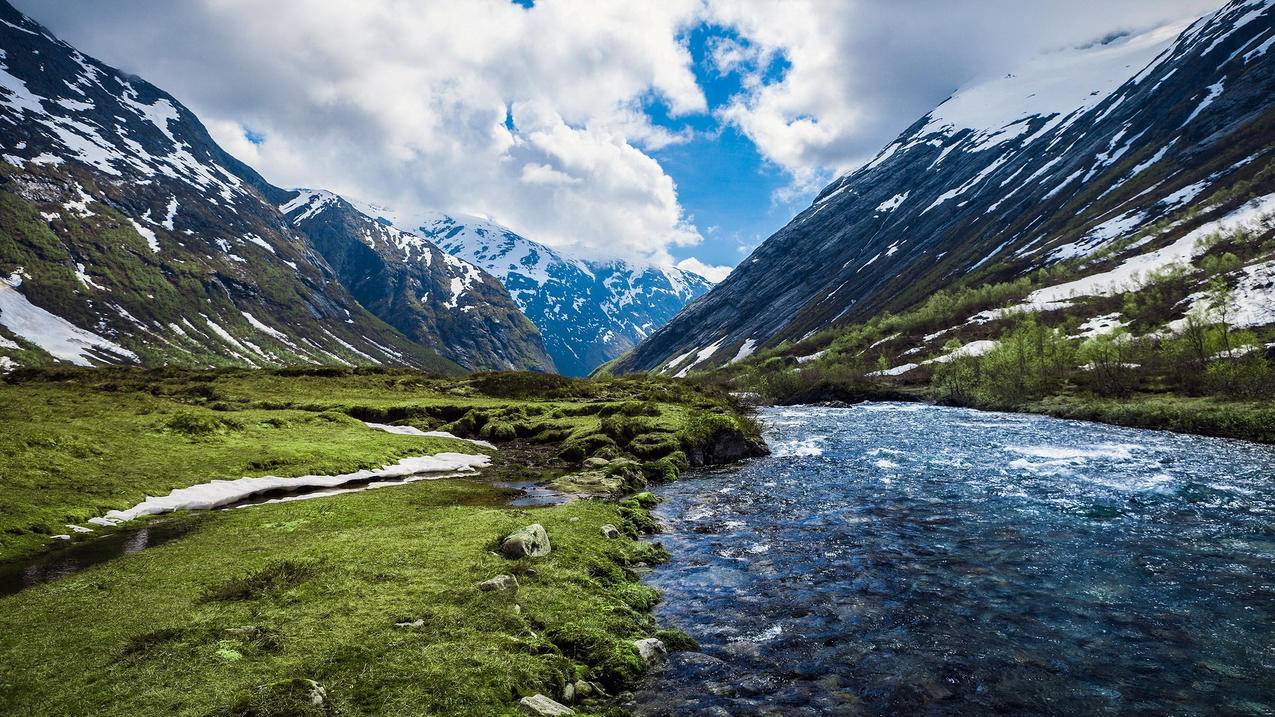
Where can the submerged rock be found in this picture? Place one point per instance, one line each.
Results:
(541, 706)
(500, 583)
(610, 531)
(529, 542)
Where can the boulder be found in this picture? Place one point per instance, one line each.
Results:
(529, 542)
(651, 650)
(500, 583)
(610, 531)
(596, 462)
(541, 706)
(585, 689)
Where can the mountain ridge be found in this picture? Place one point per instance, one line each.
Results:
(1161, 122)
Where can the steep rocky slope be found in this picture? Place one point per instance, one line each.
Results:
(589, 312)
(128, 236)
(431, 296)
(1079, 163)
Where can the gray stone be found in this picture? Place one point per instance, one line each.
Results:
(596, 462)
(541, 706)
(500, 583)
(651, 650)
(569, 693)
(529, 542)
(610, 531)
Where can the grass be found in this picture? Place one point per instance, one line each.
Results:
(313, 590)
(372, 595)
(81, 442)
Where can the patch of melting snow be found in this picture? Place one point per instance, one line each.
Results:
(414, 431)
(219, 493)
(59, 337)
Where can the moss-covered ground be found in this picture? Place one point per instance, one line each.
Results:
(372, 595)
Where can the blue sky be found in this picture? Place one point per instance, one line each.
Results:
(733, 195)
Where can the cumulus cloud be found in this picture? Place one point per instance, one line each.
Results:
(714, 274)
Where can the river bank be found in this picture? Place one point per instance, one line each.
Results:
(371, 595)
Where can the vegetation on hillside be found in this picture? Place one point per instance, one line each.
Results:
(1168, 356)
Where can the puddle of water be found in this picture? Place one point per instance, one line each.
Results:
(71, 559)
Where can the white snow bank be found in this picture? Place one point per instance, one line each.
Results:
(61, 338)
(745, 351)
(895, 371)
(1132, 270)
(414, 431)
(973, 348)
(215, 494)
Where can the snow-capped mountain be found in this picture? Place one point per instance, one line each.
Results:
(431, 296)
(128, 236)
(588, 312)
(1088, 158)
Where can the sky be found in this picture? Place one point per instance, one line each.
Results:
(672, 131)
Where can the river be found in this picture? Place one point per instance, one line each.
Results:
(910, 559)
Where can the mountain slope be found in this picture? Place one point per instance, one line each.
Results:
(588, 312)
(431, 296)
(1081, 160)
(128, 235)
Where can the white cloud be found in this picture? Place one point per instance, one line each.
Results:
(714, 274)
(406, 103)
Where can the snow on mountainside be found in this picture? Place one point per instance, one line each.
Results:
(436, 299)
(1078, 161)
(127, 235)
(588, 312)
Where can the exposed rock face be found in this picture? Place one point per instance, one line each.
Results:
(1079, 151)
(529, 542)
(436, 299)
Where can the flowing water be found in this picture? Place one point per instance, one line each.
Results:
(909, 559)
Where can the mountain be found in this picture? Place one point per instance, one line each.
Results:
(128, 236)
(431, 296)
(1090, 163)
(588, 312)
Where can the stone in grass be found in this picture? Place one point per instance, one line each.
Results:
(651, 650)
(610, 531)
(500, 583)
(541, 706)
(299, 697)
(529, 542)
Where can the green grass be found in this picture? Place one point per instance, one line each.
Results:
(237, 614)
(1209, 416)
(313, 589)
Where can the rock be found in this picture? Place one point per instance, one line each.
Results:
(596, 462)
(541, 706)
(410, 623)
(569, 693)
(585, 689)
(517, 609)
(610, 531)
(573, 519)
(651, 650)
(500, 583)
(529, 542)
